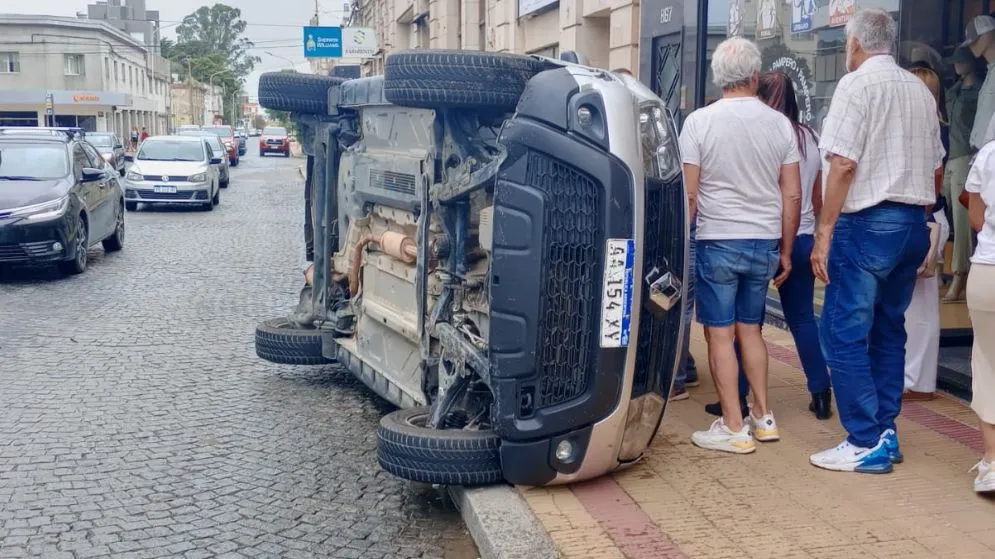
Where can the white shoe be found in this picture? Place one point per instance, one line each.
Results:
(720, 437)
(849, 458)
(764, 428)
(985, 482)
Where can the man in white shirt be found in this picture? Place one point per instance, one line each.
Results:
(741, 173)
(882, 152)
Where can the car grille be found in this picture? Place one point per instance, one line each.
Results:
(659, 343)
(12, 252)
(25, 251)
(568, 325)
(150, 195)
(274, 141)
(170, 178)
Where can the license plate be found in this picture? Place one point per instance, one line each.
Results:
(163, 189)
(616, 301)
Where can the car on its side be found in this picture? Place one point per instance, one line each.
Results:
(57, 199)
(274, 139)
(110, 148)
(224, 170)
(174, 170)
(227, 135)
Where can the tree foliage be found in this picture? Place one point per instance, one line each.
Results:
(259, 122)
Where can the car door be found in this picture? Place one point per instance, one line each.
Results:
(212, 169)
(104, 216)
(118, 153)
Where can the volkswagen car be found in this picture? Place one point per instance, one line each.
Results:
(57, 199)
(174, 170)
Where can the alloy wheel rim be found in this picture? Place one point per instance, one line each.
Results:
(81, 244)
(120, 225)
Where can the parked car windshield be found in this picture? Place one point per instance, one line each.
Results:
(170, 150)
(212, 139)
(275, 131)
(219, 130)
(33, 162)
(100, 140)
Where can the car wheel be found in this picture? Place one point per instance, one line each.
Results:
(278, 340)
(131, 206)
(121, 171)
(298, 93)
(115, 242)
(224, 183)
(286, 154)
(81, 242)
(234, 163)
(457, 78)
(410, 450)
(217, 197)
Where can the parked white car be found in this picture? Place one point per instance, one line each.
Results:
(173, 170)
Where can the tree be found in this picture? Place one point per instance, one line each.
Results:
(259, 122)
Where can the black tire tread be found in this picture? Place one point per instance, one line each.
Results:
(299, 93)
(449, 473)
(288, 346)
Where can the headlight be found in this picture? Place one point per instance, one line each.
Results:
(45, 210)
(199, 177)
(133, 176)
(660, 153)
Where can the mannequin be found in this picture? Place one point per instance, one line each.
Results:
(962, 105)
(981, 40)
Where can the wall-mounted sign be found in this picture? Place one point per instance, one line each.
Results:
(801, 15)
(735, 27)
(767, 19)
(359, 42)
(49, 104)
(322, 42)
(526, 7)
(86, 98)
(800, 81)
(840, 12)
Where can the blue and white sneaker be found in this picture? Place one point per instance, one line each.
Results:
(890, 439)
(849, 458)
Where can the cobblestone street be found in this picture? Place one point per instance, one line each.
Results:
(136, 420)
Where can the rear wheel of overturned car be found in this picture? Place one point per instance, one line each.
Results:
(278, 340)
(298, 93)
(408, 449)
(456, 78)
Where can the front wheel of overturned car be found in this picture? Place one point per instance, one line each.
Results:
(278, 340)
(409, 449)
(459, 78)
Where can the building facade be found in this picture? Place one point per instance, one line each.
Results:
(190, 100)
(76, 72)
(131, 17)
(605, 31)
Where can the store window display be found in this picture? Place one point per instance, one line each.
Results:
(980, 34)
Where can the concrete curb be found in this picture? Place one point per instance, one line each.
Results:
(502, 523)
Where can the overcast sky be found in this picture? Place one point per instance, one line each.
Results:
(274, 25)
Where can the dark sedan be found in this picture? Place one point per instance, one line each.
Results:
(57, 199)
(110, 148)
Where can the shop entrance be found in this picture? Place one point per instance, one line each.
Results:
(18, 118)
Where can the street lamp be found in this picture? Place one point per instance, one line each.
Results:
(293, 65)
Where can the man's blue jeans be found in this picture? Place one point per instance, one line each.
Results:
(872, 265)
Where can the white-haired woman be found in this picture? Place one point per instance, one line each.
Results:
(741, 171)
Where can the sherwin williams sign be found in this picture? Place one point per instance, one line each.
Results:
(339, 42)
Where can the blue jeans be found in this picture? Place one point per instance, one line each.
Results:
(732, 278)
(797, 294)
(872, 266)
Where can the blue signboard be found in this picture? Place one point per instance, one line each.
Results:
(801, 15)
(322, 42)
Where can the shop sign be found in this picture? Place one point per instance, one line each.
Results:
(840, 12)
(86, 98)
(50, 104)
(800, 81)
(735, 28)
(358, 42)
(767, 19)
(801, 15)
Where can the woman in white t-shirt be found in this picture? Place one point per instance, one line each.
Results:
(981, 304)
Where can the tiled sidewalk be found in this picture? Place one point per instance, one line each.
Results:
(681, 501)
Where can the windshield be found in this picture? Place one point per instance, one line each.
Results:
(167, 150)
(275, 131)
(33, 162)
(102, 141)
(219, 130)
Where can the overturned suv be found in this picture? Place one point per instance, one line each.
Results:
(499, 250)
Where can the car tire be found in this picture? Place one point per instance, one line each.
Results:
(409, 450)
(235, 163)
(456, 78)
(297, 93)
(224, 183)
(121, 172)
(278, 340)
(115, 242)
(131, 206)
(286, 154)
(80, 259)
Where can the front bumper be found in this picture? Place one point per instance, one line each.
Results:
(25, 242)
(186, 193)
(274, 148)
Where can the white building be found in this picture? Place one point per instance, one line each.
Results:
(214, 105)
(97, 77)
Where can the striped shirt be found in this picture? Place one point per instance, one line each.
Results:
(884, 118)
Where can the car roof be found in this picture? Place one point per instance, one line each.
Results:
(174, 137)
(41, 135)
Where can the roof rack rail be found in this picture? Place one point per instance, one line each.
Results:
(71, 131)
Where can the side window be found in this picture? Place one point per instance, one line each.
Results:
(210, 152)
(80, 160)
(95, 160)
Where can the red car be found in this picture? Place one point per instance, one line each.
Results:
(274, 140)
(227, 135)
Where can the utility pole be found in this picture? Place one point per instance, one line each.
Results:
(190, 90)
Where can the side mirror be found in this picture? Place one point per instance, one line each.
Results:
(216, 161)
(129, 157)
(119, 146)
(90, 174)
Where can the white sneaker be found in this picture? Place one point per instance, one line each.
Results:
(985, 482)
(720, 437)
(764, 428)
(849, 458)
